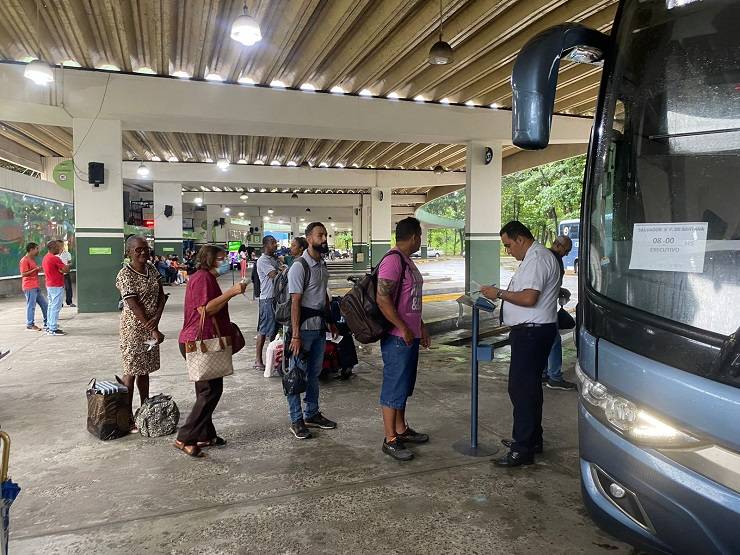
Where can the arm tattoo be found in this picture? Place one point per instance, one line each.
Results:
(387, 287)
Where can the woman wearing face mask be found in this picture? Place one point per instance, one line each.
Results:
(203, 291)
(143, 304)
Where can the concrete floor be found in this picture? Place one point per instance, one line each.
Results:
(267, 492)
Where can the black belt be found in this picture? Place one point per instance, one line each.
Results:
(522, 326)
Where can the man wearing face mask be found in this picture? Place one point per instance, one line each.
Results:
(309, 317)
(268, 267)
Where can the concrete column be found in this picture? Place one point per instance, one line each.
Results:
(482, 215)
(380, 227)
(360, 230)
(217, 233)
(98, 214)
(168, 230)
(424, 240)
(295, 228)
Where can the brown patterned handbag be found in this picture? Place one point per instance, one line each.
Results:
(207, 359)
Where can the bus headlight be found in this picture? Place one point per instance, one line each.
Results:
(626, 418)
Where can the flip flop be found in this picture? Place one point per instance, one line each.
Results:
(190, 450)
(259, 366)
(215, 442)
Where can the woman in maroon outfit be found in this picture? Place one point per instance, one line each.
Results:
(203, 290)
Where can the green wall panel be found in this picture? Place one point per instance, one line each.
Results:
(96, 273)
(482, 262)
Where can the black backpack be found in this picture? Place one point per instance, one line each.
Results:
(255, 281)
(360, 307)
(281, 301)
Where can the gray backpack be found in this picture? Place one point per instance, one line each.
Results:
(157, 416)
(281, 299)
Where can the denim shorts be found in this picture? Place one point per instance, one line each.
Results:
(399, 371)
(266, 325)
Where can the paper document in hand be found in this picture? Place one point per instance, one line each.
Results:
(334, 339)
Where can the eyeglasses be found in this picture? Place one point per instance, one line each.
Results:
(142, 250)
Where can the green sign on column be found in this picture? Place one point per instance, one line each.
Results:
(99, 250)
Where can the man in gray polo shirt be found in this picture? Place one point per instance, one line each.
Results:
(308, 317)
(268, 267)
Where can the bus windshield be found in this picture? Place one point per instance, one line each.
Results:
(664, 233)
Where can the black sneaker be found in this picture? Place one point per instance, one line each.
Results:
(56, 332)
(397, 450)
(318, 421)
(509, 442)
(299, 430)
(515, 458)
(72, 305)
(560, 384)
(412, 436)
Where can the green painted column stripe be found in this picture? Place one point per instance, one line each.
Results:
(99, 229)
(96, 273)
(490, 235)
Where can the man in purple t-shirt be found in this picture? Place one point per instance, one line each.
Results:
(399, 298)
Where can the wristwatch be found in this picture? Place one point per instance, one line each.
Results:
(500, 294)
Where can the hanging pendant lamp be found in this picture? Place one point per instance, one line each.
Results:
(441, 52)
(245, 29)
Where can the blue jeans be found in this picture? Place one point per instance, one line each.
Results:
(34, 297)
(555, 360)
(313, 343)
(400, 362)
(56, 296)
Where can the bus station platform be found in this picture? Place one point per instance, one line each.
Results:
(266, 492)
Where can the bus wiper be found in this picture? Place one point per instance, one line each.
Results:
(693, 133)
(728, 359)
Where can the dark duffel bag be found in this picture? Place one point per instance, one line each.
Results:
(157, 416)
(107, 409)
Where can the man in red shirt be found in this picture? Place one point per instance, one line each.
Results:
(30, 285)
(54, 270)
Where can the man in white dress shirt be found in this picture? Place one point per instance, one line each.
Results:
(529, 308)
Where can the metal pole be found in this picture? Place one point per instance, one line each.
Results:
(474, 382)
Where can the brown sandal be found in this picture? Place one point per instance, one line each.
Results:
(191, 450)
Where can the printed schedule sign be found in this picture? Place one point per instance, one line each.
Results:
(673, 247)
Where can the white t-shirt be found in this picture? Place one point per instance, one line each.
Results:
(539, 271)
(265, 265)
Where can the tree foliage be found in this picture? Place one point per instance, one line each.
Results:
(539, 197)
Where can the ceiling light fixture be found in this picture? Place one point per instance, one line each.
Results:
(227, 210)
(438, 170)
(394, 96)
(336, 89)
(294, 196)
(291, 163)
(241, 161)
(245, 29)
(263, 190)
(108, 67)
(251, 189)
(441, 52)
(213, 77)
(495, 105)
(270, 211)
(280, 221)
(307, 87)
(302, 219)
(470, 103)
(145, 70)
(142, 170)
(155, 158)
(420, 98)
(172, 159)
(222, 164)
(266, 218)
(323, 165)
(275, 163)
(338, 165)
(241, 214)
(180, 74)
(244, 80)
(71, 63)
(198, 200)
(259, 162)
(306, 165)
(444, 100)
(365, 92)
(308, 209)
(278, 84)
(243, 197)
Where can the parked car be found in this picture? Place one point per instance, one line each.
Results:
(431, 253)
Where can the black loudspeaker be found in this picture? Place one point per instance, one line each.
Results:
(168, 210)
(95, 173)
(221, 221)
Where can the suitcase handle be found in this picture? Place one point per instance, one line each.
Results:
(5, 441)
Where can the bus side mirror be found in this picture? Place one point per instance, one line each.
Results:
(535, 78)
